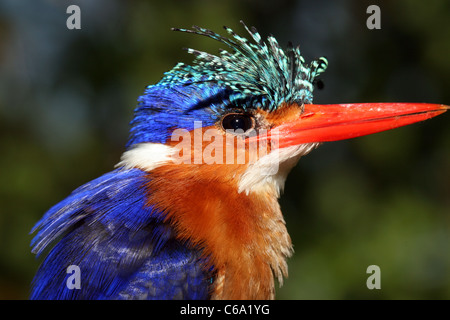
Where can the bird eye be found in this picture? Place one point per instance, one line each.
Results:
(238, 121)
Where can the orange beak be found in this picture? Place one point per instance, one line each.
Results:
(320, 123)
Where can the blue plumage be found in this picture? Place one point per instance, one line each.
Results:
(163, 108)
(122, 247)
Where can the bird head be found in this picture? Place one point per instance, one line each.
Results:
(218, 138)
(257, 94)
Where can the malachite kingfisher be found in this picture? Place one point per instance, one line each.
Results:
(191, 210)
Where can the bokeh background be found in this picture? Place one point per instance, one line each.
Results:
(66, 97)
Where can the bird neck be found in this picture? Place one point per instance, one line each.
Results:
(242, 235)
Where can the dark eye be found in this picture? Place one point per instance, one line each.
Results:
(238, 121)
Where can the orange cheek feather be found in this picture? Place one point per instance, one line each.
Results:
(211, 145)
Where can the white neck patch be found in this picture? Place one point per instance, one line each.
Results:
(147, 156)
(269, 173)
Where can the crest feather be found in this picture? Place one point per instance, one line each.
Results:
(261, 71)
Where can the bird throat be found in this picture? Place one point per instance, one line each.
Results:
(242, 235)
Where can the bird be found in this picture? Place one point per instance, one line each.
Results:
(191, 209)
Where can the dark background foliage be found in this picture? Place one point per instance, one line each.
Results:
(66, 97)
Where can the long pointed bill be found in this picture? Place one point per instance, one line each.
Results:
(320, 123)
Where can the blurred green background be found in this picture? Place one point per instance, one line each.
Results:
(66, 97)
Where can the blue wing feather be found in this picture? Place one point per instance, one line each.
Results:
(122, 246)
